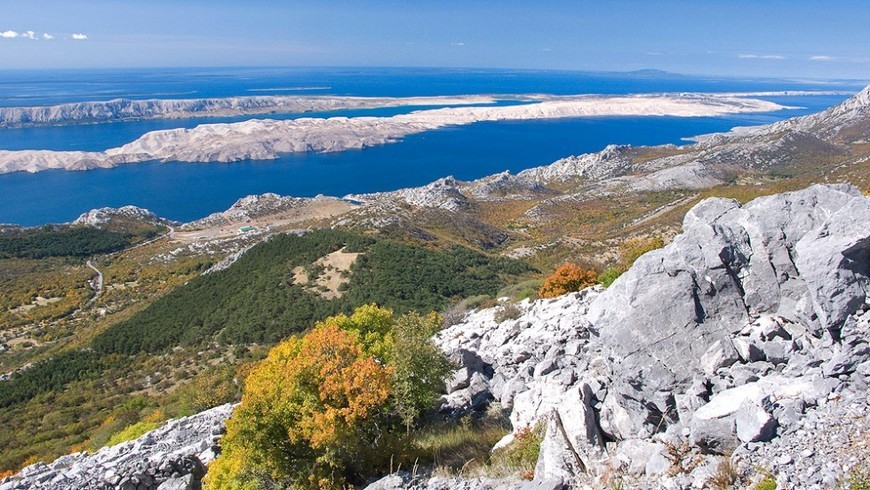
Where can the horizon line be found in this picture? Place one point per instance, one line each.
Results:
(428, 67)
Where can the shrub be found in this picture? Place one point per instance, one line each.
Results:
(566, 279)
(629, 252)
(769, 483)
(682, 457)
(634, 248)
(609, 275)
(324, 410)
(726, 475)
(521, 455)
(419, 366)
(507, 311)
(310, 414)
(453, 315)
(214, 386)
(858, 479)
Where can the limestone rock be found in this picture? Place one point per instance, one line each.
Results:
(753, 424)
(170, 457)
(732, 263)
(720, 354)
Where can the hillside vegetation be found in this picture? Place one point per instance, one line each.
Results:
(221, 319)
(257, 301)
(77, 241)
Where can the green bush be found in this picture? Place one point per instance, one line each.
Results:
(609, 275)
(419, 367)
(858, 478)
(769, 483)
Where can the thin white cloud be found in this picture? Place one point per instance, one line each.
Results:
(751, 56)
(654, 53)
(821, 57)
(32, 35)
(79, 37)
(546, 50)
(459, 44)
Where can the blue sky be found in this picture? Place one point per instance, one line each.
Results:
(819, 39)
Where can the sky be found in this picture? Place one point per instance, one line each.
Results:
(772, 38)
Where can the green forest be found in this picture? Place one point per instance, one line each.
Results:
(256, 301)
(52, 241)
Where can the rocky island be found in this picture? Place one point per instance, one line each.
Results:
(127, 109)
(267, 139)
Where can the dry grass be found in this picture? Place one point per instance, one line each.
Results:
(331, 273)
(456, 448)
(726, 475)
(682, 458)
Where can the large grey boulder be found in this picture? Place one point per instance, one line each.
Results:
(801, 256)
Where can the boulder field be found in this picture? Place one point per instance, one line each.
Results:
(746, 339)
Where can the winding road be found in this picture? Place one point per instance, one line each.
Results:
(98, 284)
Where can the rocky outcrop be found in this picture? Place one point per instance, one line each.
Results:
(249, 208)
(750, 323)
(610, 162)
(174, 456)
(103, 216)
(846, 122)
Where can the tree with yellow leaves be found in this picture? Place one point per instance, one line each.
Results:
(310, 415)
(566, 279)
(324, 410)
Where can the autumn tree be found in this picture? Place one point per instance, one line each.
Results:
(566, 279)
(371, 325)
(310, 415)
(324, 410)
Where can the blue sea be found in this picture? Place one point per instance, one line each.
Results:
(187, 191)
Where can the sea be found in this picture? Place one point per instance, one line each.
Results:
(188, 191)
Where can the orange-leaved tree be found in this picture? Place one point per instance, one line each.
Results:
(325, 410)
(567, 278)
(310, 416)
